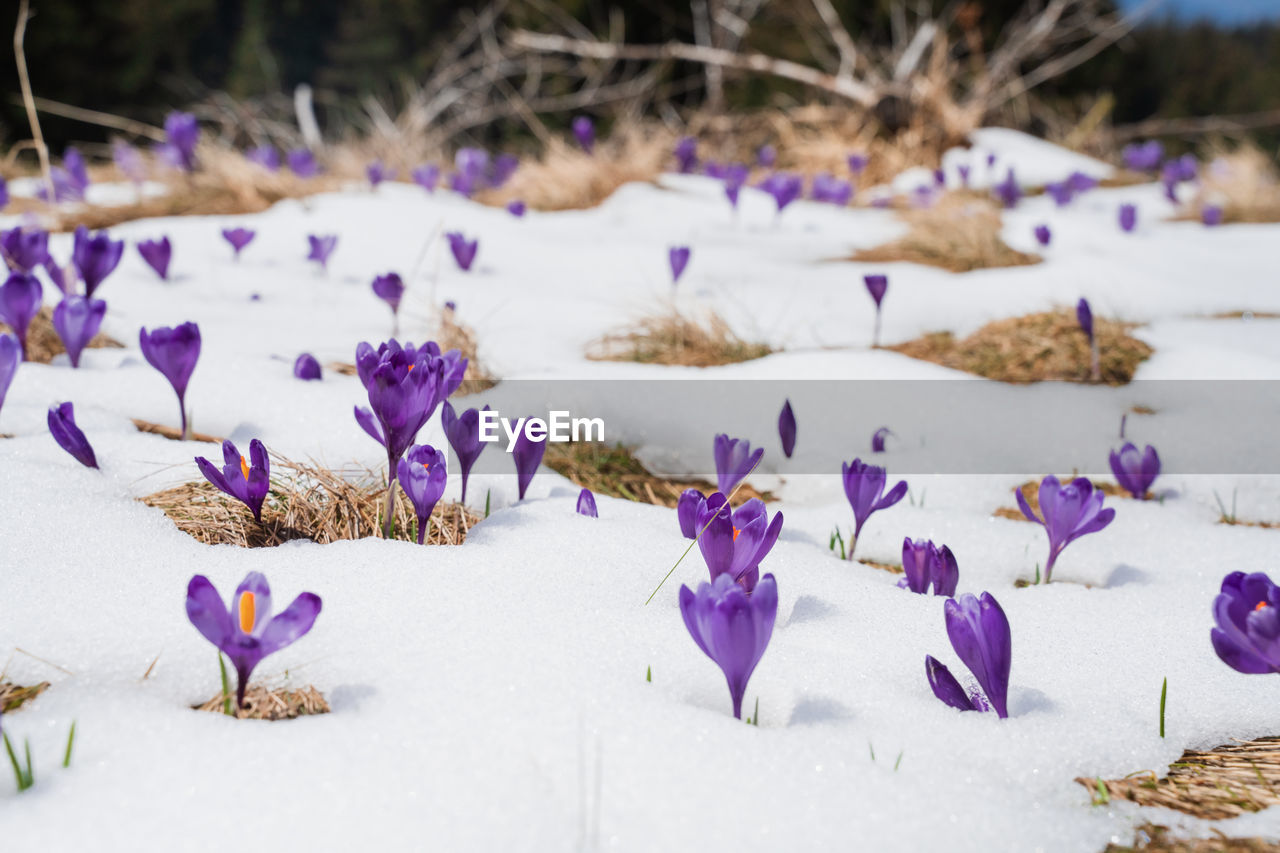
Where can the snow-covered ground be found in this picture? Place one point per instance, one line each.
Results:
(494, 695)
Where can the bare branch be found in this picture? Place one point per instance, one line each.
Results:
(19, 34)
(839, 37)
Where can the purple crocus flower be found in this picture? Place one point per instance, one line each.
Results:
(306, 368)
(423, 476)
(95, 257)
(686, 152)
(527, 454)
(1079, 182)
(77, 319)
(504, 166)
(1143, 157)
(1128, 217)
(377, 173)
(265, 156)
(321, 247)
(1135, 470)
(246, 631)
(4, 193)
(785, 188)
(1008, 191)
(584, 130)
(876, 285)
(238, 238)
(1084, 315)
(426, 176)
(1211, 214)
(464, 250)
(787, 428)
(678, 257)
(302, 163)
(1061, 192)
(516, 208)
(182, 133)
(20, 298)
(247, 482)
(731, 627)
(157, 254)
(877, 439)
(830, 189)
(1180, 170)
(687, 508)
(1043, 236)
(24, 249)
(963, 171)
(390, 288)
(587, 504)
(858, 163)
(734, 542)
(864, 487)
(1247, 617)
(174, 352)
(979, 633)
(925, 565)
(766, 156)
(734, 461)
(62, 426)
(463, 432)
(128, 161)
(63, 278)
(10, 358)
(1070, 511)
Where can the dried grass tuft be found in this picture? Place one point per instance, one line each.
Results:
(43, 342)
(1153, 838)
(1243, 183)
(958, 234)
(14, 696)
(173, 433)
(263, 704)
(1035, 348)
(615, 472)
(306, 502)
(679, 340)
(1224, 782)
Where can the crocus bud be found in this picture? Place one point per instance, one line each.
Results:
(787, 429)
(306, 367)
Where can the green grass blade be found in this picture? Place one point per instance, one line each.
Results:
(1164, 692)
(226, 686)
(71, 739)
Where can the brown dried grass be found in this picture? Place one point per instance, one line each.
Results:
(1153, 838)
(673, 338)
(1224, 782)
(1243, 182)
(1035, 348)
(958, 234)
(14, 696)
(261, 703)
(43, 342)
(615, 472)
(173, 433)
(306, 502)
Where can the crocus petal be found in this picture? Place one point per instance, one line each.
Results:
(207, 612)
(292, 624)
(369, 424)
(945, 686)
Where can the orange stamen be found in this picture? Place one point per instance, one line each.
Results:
(736, 531)
(244, 468)
(247, 614)
(1261, 604)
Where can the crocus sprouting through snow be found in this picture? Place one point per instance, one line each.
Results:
(377, 173)
(1070, 511)
(517, 208)
(320, 247)
(1043, 235)
(463, 432)
(306, 367)
(62, 426)
(247, 482)
(157, 254)
(76, 320)
(1247, 615)
(979, 633)
(787, 429)
(877, 286)
(678, 257)
(925, 564)
(1135, 470)
(864, 487)
(464, 250)
(302, 163)
(423, 476)
(584, 130)
(238, 238)
(265, 156)
(731, 627)
(94, 257)
(24, 249)
(182, 133)
(390, 288)
(1211, 214)
(686, 153)
(1084, 315)
(20, 298)
(878, 437)
(1128, 217)
(426, 176)
(1143, 156)
(785, 188)
(587, 504)
(733, 542)
(1008, 191)
(527, 454)
(734, 461)
(10, 358)
(173, 352)
(245, 631)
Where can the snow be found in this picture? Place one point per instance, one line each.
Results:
(493, 695)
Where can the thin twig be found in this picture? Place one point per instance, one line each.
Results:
(19, 34)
